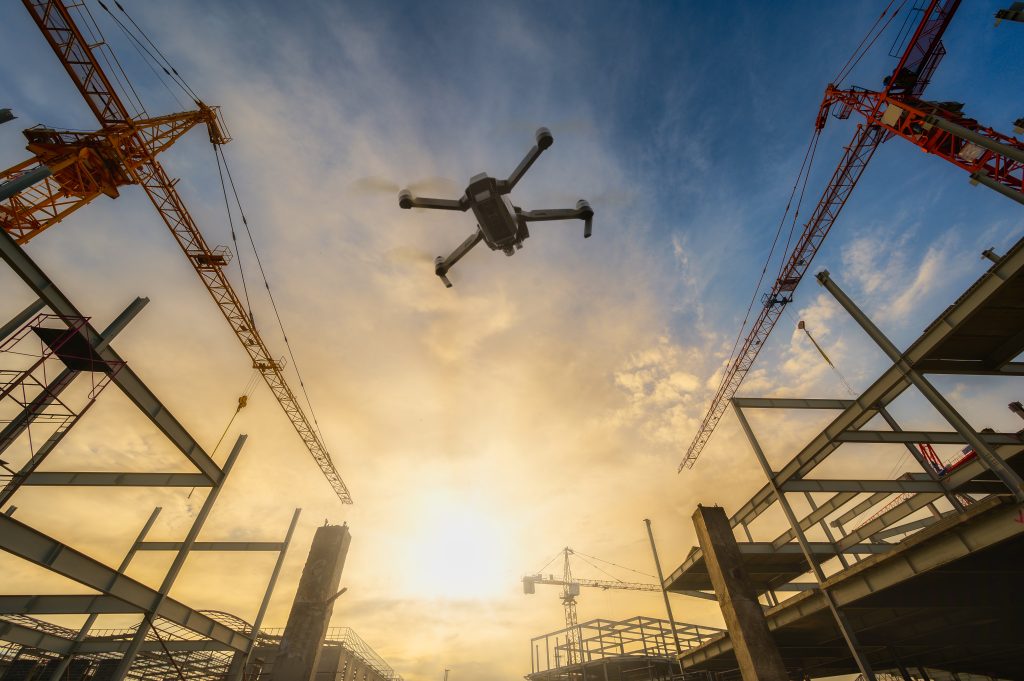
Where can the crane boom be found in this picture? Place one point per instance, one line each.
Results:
(911, 75)
(596, 583)
(139, 159)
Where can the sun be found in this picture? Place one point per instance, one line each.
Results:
(458, 549)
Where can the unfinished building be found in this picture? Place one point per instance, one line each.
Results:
(914, 576)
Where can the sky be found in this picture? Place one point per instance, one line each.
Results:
(546, 400)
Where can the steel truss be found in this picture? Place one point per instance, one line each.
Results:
(42, 356)
(642, 643)
(956, 509)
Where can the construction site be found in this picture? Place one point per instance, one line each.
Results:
(870, 534)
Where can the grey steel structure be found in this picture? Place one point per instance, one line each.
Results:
(38, 394)
(636, 649)
(903, 574)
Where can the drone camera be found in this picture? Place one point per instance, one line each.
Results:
(405, 199)
(544, 138)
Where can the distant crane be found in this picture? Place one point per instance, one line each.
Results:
(940, 128)
(69, 169)
(571, 589)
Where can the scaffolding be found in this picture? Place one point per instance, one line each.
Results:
(53, 367)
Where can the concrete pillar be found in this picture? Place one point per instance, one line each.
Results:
(299, 654)
(756, 652)
(332, 663)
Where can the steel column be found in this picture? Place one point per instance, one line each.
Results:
(992, 461)
(844, 626)
(258, 622)
(661, 583)
(62, 666)
(176, 565)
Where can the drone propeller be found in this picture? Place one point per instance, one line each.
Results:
(408, 254)
(433, 186)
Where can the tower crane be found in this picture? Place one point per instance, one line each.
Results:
(897, 110)
(71, 169)
(571, 589)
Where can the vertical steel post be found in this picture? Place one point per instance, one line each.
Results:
(828, 532)
(916, 453)
(258, 622)
(62, 666)
(991, 460)
(844, 626)
(179, 561)
(661, 583)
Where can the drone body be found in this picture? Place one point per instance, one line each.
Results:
(500, 224)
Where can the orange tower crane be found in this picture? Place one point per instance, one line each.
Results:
(991, 158)
(77, 167)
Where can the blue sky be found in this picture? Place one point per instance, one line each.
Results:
(547, 398)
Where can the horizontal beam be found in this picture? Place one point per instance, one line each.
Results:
(819, 548)
(790, 403)
(919, 436)
(862, 486)
(212, 546)
(973, 368)
(29, 544)
(91, 479)
(125, 379)
(70, 604)
(41, 640)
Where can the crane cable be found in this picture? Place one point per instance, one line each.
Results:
(804, 170)
(243, 402)
(608, 562)
(855, 58)
(173, 72)
(234, 238)
(270, 294)
(147, 57)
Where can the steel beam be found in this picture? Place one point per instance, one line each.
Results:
(919, 436)
(29, 544)
(993, 462)
(791, 403)
(92, 479)
(213, 546)
(179, 561)
(889, 385)
(859, 486)
(70, 604)
(125, 378)
(849, 635)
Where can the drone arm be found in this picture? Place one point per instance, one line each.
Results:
(544, 140)
(582, 211)
(407, 200)
(442, 265)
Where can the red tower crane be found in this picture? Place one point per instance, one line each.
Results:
(991, 158)
(78, 167)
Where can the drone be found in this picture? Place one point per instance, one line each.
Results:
(500, 224)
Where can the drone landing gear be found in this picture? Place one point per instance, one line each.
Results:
(442, 265)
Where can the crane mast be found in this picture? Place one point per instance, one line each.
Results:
(570, 590)
(82, 170)
(912, 74)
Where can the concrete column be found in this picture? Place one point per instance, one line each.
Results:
(756, 652)
(299, 654)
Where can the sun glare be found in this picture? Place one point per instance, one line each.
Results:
(458, 550)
